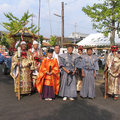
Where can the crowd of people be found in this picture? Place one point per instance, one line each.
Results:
(62, 74)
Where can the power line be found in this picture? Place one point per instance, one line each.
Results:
(70, 2)
(60, 22)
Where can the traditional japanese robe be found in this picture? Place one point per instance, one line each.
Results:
(88, 82)
(36, 55)
(113, 63)
(26, 65)
(47, 83)
(68, 82)
(37, 61)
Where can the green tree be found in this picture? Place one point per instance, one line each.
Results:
(5, 41)
(53, 40)
(16, 23)
(58, 41)
(105, 17)
(41, 40)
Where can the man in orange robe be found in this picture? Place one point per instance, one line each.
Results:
(48, 80)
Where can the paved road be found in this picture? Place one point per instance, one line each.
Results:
(30, 108)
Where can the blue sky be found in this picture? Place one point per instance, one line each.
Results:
(73, 13)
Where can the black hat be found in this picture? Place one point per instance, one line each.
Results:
(50, 50)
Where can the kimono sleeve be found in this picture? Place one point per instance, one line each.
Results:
(62, 62)
(41, 76)
(42, 70)
(78, 63)
(14, 66)
(56, 77)
(96, 65)
(82, 63)
(56, 68)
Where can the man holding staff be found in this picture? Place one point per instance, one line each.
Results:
(26, 65)
(113, 69)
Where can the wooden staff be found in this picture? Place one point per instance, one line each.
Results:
(19, 49)
(106, 82)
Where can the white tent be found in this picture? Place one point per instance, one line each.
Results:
(98, 39)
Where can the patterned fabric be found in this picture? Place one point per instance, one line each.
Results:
(113, 63)
(48, 80)
(36, 55)
(26, 65)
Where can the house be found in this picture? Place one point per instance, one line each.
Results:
(76, 37)
(47, 40)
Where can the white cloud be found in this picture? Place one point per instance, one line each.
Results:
(24, 5)
(6, 8)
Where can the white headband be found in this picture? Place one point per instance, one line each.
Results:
(23, 42)
(35, 42)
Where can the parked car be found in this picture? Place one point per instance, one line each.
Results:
(6, 64)
(1, 58)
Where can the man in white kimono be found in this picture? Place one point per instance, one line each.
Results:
(56, 52)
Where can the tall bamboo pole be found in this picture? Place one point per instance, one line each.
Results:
(19, 82)
(19, 55)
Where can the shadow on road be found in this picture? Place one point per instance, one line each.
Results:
(77, 110)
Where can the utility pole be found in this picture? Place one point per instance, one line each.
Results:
(50, 17)
(62, 38)
(75, 34)
(39, 18)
